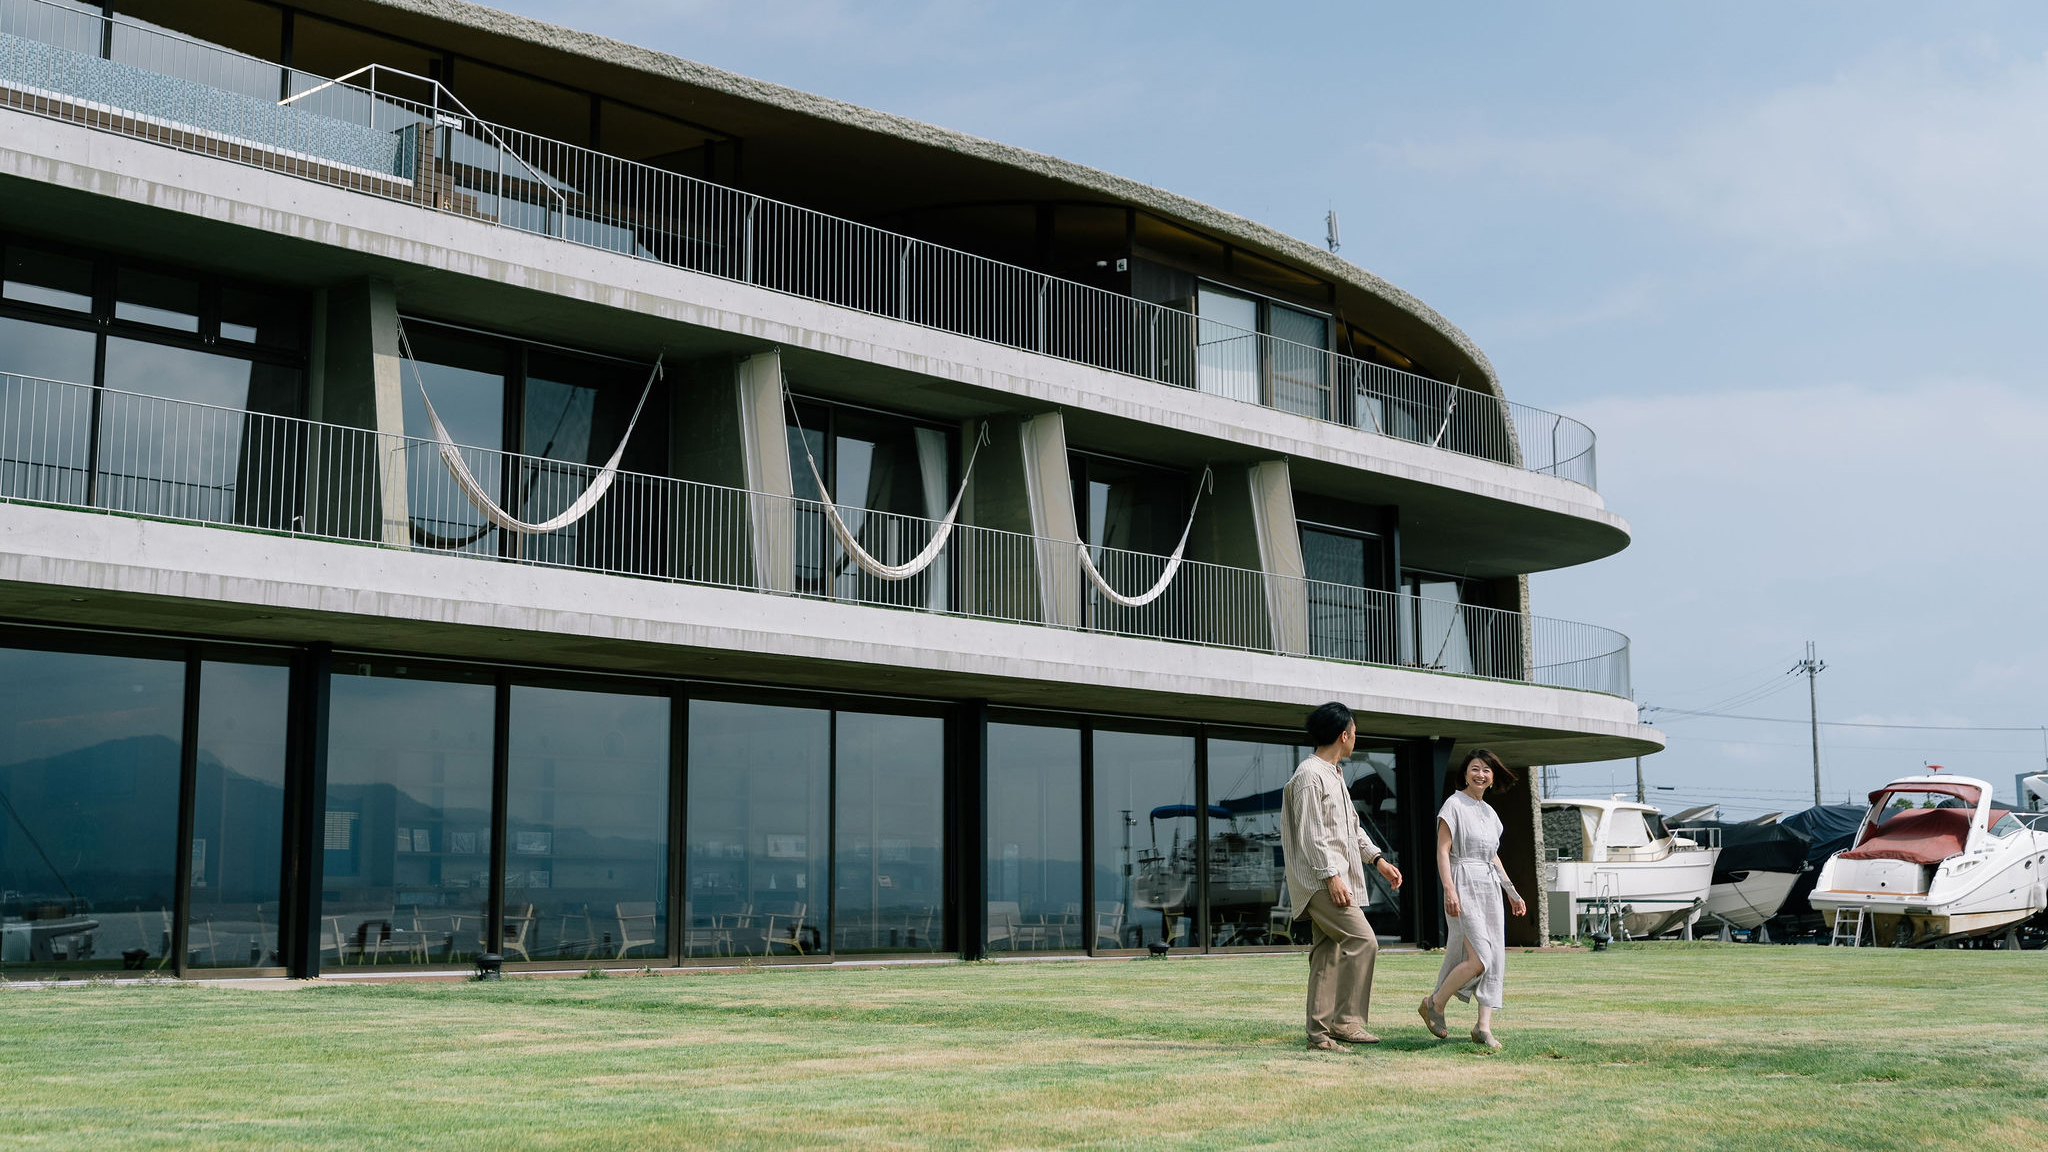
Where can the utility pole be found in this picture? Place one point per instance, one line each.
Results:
(1639, 780)
(1812, 667)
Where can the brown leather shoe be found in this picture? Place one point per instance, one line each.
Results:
(1360, 1037)
(1325, 1044)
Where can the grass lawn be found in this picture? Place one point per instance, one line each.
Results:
(1649, 1046)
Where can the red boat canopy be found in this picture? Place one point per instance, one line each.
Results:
(1917, 836)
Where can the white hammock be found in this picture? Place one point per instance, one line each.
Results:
(1172, 562)
(860, 555)
(481, 499)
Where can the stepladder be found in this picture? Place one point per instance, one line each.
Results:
(1848, 928)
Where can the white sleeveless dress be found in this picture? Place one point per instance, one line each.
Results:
(1475, 838)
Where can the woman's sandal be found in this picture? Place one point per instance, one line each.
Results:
(1484, 1039)
(1433, 1019)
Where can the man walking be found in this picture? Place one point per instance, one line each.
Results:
(1327, 853)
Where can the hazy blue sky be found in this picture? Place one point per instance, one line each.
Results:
(1785, 258)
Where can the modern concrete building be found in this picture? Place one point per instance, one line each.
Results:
(287, 686)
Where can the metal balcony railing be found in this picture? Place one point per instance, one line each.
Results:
(134, 79)
(79, 446)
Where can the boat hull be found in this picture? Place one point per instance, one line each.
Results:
(1915, 906)
(1750, 901)
(1652, 897)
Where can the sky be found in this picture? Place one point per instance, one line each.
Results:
(1786, 259)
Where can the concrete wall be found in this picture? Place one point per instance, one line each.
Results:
(1021, 484)
(361, 380)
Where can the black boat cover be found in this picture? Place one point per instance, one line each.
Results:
(1832, 829)
(1754, 847)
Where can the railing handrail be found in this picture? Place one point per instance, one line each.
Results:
(1578, 460)
(195, 446)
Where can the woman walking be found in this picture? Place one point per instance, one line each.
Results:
(1468, 860)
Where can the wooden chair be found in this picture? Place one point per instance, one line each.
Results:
(1002, 923)
(784, 928)
(636, 926)
(519, 921)
(1109, 924)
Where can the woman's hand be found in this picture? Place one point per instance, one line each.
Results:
(1451, 907)
(1518, 906)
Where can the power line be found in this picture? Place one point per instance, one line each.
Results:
(1696, 713)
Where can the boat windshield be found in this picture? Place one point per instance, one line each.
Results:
(2005, 824)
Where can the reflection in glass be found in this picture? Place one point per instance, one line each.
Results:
(1300, 364)
(576, 411)
(408, 821)
(48, 425)
(586, 872)
(759, 806)
(1436, 636)
(190, 462)
(1372, 777)
(1248, 899)
(466, 379)
(1227, 352)
(49, 279)
(1034, 842)
(1145, 843)
(1347, 618)
(890, 833)
(155, 299)
(89, 749)
(238, 815)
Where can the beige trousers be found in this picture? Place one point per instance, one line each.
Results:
(1339, 968)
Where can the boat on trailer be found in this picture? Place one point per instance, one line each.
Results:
(1935, 861)
(1759, 863)
(1618, 862)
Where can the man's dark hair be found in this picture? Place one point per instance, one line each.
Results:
(1327, 723)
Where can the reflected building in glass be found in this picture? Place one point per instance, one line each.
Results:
(838, 538)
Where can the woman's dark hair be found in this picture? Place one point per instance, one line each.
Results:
(1327, 723)
(1454, 780)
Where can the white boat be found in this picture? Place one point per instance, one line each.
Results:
(1759, 863)
(2034, 792)
(1616, 858)
(1934, 861)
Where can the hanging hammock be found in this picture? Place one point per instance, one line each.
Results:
(1172, 562)
(1450, 406)
(844, 535)
(482, 500)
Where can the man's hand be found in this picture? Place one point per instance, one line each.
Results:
(1340, 892)
(1387, 869)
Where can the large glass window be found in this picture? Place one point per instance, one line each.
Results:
(467, 381)
(1348, 619)
(889, 476)
(238, 815)
(1290, 371)
(192, 458)
(759, 805)
(1373, 776)
(407, 846)
(45, 427)
(890, 833)
(1248, 898)
(1146, 845)
(1034, 843)
(1227, 353)
(586, 851)
(89, 756)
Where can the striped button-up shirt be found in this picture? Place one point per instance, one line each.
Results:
(1320, 835)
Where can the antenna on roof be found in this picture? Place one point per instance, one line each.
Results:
(1330, 236)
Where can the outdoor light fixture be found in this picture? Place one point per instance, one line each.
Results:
(1158, 949)
(488, 965)
(1599, 941)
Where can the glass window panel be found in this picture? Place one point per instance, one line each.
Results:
(1145, 846)
(1438, 637)
(48, 426)
(467, 380)
(1348, 618)
(407, 848)
(577, 410)
(156, 299)
(48, 278)
(1034, 842)
(271, 318)
(1301, 367)
(172, 459)
(586, 873)
(238, 815)
(890, 833)
(1372, 776)
(759, 788)
(89, 751)
(1248, 899)
(1227, 352)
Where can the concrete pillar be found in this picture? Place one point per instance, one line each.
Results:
(1021, 485)
(356, 481)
